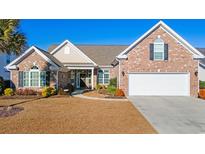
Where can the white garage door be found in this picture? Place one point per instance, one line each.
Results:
(159, 84)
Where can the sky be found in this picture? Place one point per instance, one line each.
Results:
(43, 33)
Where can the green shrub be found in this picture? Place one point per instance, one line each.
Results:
(1, 88)
(99, 87)
(48, 91)
(8, 92)
(111, 89)
(113, 82)
(53, 91)
(202, 84)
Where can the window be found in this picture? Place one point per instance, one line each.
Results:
(103, 76)
(33, 78)
(158, 49)
(25, 79)
(43, 79)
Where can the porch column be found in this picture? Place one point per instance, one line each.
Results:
(92, 77)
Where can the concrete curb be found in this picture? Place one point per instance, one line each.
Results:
(96, 98)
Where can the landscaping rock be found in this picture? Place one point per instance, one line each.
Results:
(6, 111)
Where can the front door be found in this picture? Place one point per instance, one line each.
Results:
(77, 79)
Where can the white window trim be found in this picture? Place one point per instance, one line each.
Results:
(157, 43)
(29, 79)
(31, 71)
(103, 77)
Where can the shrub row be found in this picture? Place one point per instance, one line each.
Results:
(45, 92)
(110, 90)
(26, 91)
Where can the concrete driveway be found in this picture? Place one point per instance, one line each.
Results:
(174, 115)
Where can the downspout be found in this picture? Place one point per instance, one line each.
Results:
(57, 81)
(118, 73)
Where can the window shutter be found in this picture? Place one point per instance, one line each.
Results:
(47, 78)
(20, 79)
(166, 54)
(151, 48)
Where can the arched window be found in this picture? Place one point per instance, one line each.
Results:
(34, 67)
(158, 49)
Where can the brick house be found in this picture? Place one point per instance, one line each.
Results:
(160, 62)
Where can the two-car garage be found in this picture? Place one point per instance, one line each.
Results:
(159, 84)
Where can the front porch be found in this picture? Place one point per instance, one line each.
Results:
(82, 78)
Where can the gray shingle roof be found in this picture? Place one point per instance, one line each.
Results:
(51, 57)
(100, 54)
(202, 50)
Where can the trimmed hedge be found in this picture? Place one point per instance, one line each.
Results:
(202, 84)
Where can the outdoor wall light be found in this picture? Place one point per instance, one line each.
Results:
(123, 73)
(196, 73)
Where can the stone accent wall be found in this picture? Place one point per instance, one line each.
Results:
(180, 60)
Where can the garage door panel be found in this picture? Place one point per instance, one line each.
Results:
(159, 84)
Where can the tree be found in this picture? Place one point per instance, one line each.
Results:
(11, 39)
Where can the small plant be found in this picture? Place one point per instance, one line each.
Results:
(99, 86)
(8, 92)
(119, 92)
(111, 89)
(48, 91)
(53, 91)
(202, 84)
(113, 82)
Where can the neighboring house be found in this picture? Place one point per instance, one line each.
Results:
(5, 59)
(202, 65)
(159, 63)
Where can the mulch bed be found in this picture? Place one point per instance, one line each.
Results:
(98, 95)
(116, 97)
(6, 111)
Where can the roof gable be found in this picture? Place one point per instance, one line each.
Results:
(171, 32)
(28, 52)
(75, 54)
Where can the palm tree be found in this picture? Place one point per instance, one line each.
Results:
(11, 39)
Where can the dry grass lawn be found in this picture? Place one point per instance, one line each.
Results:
(74, 115)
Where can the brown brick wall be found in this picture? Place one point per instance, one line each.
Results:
(180, 60)
(114, 72)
